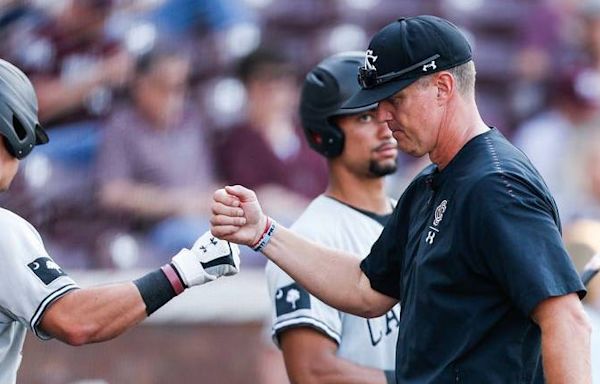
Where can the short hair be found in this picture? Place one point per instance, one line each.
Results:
(465, 78)
(264, 63)
(464, 75)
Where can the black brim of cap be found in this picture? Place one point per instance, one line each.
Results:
(351, 111)
(369, 96)
(41, 137)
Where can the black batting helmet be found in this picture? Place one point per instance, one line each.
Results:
(19, 124)
(326, 87)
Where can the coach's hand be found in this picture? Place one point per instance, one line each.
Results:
(237, 215)
(209, 259)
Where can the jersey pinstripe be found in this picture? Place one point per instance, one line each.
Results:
(30, 282)
(369, 342)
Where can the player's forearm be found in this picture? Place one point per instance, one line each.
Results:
(94, 314)
(331, 275)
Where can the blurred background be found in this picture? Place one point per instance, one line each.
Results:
(152, 104)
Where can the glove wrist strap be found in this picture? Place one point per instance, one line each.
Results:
(174, 278)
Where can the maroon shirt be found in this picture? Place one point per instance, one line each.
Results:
(51, 53)
(245, 158)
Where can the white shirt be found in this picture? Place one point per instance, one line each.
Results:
(29, 282)
(368, 342)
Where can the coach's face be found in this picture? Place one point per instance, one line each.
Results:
(8, 168)
(415, 115)
(369, 148)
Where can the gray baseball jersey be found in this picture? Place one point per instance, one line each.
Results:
(30, 281)
(368, 342)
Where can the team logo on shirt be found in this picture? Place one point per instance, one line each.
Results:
(46, 269)
(437, 219)
(291, 298)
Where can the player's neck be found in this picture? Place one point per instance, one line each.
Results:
(360, 192)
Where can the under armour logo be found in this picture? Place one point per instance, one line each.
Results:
(429, 66)
(370, 59)
(437, 219)
(430, 237)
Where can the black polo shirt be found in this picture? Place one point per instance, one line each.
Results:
(469, 252)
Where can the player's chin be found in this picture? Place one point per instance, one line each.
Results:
(382, 168)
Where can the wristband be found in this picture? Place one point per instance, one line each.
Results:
(390, 376)
(156, 290)
(266, 236)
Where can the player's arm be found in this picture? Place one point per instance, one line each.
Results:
(331, 275)
(565, 339)
(310, 357)
(97, 314)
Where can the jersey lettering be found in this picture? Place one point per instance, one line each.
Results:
(376, 326)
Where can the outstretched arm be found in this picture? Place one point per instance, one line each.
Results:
(333, 276)
(97, 314)
(94, 314)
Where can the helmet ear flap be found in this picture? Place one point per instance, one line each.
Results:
(329, 143)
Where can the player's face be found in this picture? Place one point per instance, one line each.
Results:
(369, 148)
(413, 115)
(8, 167)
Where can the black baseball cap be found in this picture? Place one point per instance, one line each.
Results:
(405, 50)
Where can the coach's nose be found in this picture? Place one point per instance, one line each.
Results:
(383, 112)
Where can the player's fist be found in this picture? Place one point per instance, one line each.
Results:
(237, 215)
(209, 259)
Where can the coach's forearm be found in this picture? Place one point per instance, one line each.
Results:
(565, 340)
(94, 314)
(331, 275)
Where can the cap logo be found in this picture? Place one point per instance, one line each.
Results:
(370, 59)
(429, 66)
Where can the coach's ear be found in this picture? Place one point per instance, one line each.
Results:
(445, 84)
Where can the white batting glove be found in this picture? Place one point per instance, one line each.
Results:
(209, 259)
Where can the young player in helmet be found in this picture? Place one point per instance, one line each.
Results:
(35, 291)
(320, 343)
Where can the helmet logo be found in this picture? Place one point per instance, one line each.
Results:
(370, 60)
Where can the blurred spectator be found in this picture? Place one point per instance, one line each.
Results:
(73, 65)
(179, 17)
(590, 40)
(266, 152)
(586, 168)
(550, 40)
(552, 138)
(154, 164)
(216, 32)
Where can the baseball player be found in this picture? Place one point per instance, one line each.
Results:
(473, 250)
(37, 294)
(319, 343)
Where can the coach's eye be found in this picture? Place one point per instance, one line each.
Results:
(366, 117)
